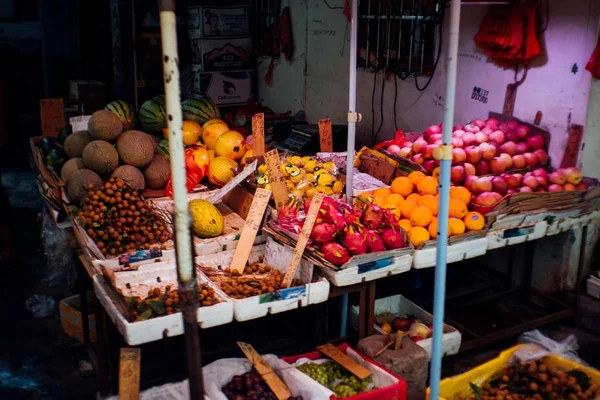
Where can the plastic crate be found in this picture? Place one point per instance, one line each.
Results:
(392, 392)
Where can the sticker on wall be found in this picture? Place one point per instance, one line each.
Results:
(438, 100)
(480, 95)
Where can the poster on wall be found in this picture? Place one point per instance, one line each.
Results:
(222, 54)
(223, 88)
(217, 22)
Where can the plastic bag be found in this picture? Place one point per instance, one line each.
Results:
(398, 140)
(59, 255)
(593, 64)
(566, 348)
(196, 168)
(40, 305)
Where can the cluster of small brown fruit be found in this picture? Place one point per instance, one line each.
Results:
(537, 381)
(118, 219)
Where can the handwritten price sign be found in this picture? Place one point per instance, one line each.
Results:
(325, 135)
(52, 116)
(280, 192)
(258, 134)
(129, 374)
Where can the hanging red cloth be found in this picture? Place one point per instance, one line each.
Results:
(593, 64)
(284, 42)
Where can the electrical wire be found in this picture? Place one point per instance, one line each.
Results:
(373, 107)
(547, 19)
(380, 107)
(332, 8)
(439, 54)
(395, 100)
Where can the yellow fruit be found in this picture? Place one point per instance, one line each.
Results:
(310, 192)
(201, 157)
(192, 133)
(325, 189)
(436, 173)
(405, 224)
(432, 228)
(221, 170)
(290, 185)
(394, 199)
(421, 216)
(247, 154)
(395, 210)
(402, 185)
(230, 144)
(418, 235)
(474, 221)
(430, 201)
(212, 121)
(427, 185)
(414, 197)
(211, 154)
(212, 131)
(337, 187)
(457, 208)
(407, 207)
(382, 192)
(456, 226)
(325, 179)
(207, 221)
(387, 328)
(299, 176)
(380, 201)
(460, 193)
(415, 177)
(295, 160)
(310, 166)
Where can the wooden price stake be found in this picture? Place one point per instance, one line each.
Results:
(129, 374)
(573, 146)
(339, 357)
(52, 115)
(258, 134)
(509, 99)
(250, 229)
(280, 191)
(325, 135)
(279, 388)
(309, 222)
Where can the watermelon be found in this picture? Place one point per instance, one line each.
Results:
(55, 159)
(199, 110)
(124, 111)
(47, 144)
(64, 133)
(153, 115)
(163, 148)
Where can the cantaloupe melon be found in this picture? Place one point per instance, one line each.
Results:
(136, 148)
(157, 172)
(105, 125)
(79, 183)
(131, 175)
(101, 157)
(70, 167)
(76, 142)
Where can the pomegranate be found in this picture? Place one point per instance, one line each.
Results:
(355, 242)
(335, 253)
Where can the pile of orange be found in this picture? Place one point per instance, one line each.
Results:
(414, 200)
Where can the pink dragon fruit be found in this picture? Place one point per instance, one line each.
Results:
(374, 242)
(335, 253)
(355, 241)
(389, 220)
(288, 216)
(353, 217)
(323, 233)
(328, 204)
(372, 216)
(392, 239)
(336, 218)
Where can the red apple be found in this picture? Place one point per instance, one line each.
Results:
(519, 177)
(428, 152)
(542, 181)
(483, 184)
(507, 160)
(498, 137)
(438, 142)
(531, 159)
(469, 182)
(471, 128)
(407, 143)
(457, 142)
(473, 154)
(487, 131)
(458, 156)
(540, 189)
(436, 136)
(394, 149)
(525, 189)
(458, 127)
(405, 152)
(574, 175)
(429, 166)
(509, 148)
(419, 145)
(541, 155)
(557, 177)
(569, 187)
(531, 181)
(499, 185)
(492, 122)
(540, 172)
(481, 168)
(522, 132)
(535, 142)
(497, 165)
(458, 133)
(469, 169)
(488, 151)
(522, 147)
(555, 188)
(481, 137)
(457, 174)
(479, 122)
(511, 191)
(519, 161)
(512, 182)
(488, 198)
(511, 136)
(418, 158)
(469, 138)
(581, 186)
(433, 129)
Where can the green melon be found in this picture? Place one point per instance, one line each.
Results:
(101, 157)
(80, 182)
(70, 167)
(153, 115)
(157, 172)
(131, 175)
(136, 148)
(104, 125)
(76, 142)
(124, 111)
(199, 110)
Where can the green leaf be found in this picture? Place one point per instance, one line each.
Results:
(143, 307)
(95, 225)
(145, 315)
(477, 390)
(158, 307)
(130, 300)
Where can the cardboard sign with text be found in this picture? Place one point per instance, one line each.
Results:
(325, 138)
(129, 374)
(52, 116)
(277, 181)
(258, 134)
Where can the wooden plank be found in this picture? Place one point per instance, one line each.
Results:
(129, 374)
(52, 116)
(573, 146)
(325, 137)
(276, 179)
(509, 99)
(258, 134)
(349, 364)
(279, 388)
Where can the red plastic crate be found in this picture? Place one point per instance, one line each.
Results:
(393, 392)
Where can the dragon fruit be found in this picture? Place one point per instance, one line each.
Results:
(355, 241)
(323, 233)
(336, 218)
(372, 216)
(288, 215)
(374, 242)
(335, 253)
(328, 204)
(389, 220)
(392, 239)
(353, 217)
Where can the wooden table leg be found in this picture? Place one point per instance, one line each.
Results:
(362, 313)
(82, 279)
(102, 350)
(371, 308)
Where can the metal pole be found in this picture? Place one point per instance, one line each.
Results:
(351, 129)
(188, 289)
(446, 159)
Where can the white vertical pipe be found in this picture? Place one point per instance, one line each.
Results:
(352, 99)
(440, 267)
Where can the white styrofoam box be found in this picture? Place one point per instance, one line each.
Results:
(223, 88)
(566, 224)
(277, 256)
(511, 236)
(150, 330)
(402, 307)
(425, 258)
(368, 267)
(593, 287)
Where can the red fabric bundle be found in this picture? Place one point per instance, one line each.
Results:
(593, 64)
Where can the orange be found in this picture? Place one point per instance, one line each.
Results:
(460, 193)
(474, 221)
(430, 201)
(456, 226)
(415, 177)
(380, 201)
(394, 199)
(413, 197)
(427, 185)
(436, 173)
(395, 211)
(457, 208)
(418, 235)
(382, 192)
(406, 208)
(432, 228)
(421, 216)
(402, 185)
(405, 224)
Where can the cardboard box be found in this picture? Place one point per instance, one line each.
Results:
(215, 22)
(223, 88)
(71, 320)
(222, 54)
(91, 93)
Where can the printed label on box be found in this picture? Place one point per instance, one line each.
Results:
(283, 294)
(139, 255)
(516, 232)
(374, 265)
(223, 88)
(225, 21)
(222, 54)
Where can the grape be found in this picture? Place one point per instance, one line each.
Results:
(250, 386)
(336, 378)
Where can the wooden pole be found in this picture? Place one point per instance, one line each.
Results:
(188, 288)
